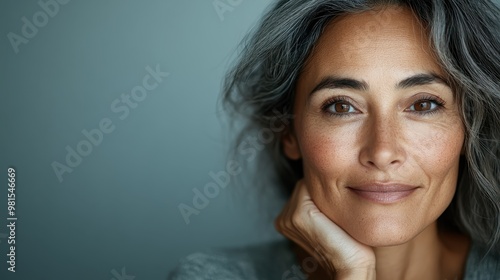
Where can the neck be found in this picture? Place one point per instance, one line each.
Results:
(430, 255)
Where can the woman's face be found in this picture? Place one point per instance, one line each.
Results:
(377, 127)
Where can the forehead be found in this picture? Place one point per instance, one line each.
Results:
(384, 40)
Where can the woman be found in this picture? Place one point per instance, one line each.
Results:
(391, 161)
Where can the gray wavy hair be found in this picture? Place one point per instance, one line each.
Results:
(465, 37)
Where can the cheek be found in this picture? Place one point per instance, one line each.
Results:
(328, 150)
(435, 148)
(433, 155)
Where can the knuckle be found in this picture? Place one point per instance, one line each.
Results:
(311, 212)
(297, 220)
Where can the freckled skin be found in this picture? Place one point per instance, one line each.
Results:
(384, 140)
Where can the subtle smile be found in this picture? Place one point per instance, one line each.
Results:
(383, 193)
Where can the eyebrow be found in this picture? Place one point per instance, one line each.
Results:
(333, 82)
(422, 79)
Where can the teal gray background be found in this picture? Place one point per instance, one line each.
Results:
(118, 209)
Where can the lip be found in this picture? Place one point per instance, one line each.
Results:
(383, 193)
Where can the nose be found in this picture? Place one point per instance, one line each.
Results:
(382, 147)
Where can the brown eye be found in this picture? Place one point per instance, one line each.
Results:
(341, 107)
(424, 106)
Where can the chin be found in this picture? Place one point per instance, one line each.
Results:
(381, 241)
(383, 233)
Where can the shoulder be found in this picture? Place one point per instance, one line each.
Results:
(263, 261)
(482, 263)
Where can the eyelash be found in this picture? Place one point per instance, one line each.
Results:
(437, 101)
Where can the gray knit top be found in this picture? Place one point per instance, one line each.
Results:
(276, 260)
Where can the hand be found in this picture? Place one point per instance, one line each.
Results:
(338, 253)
